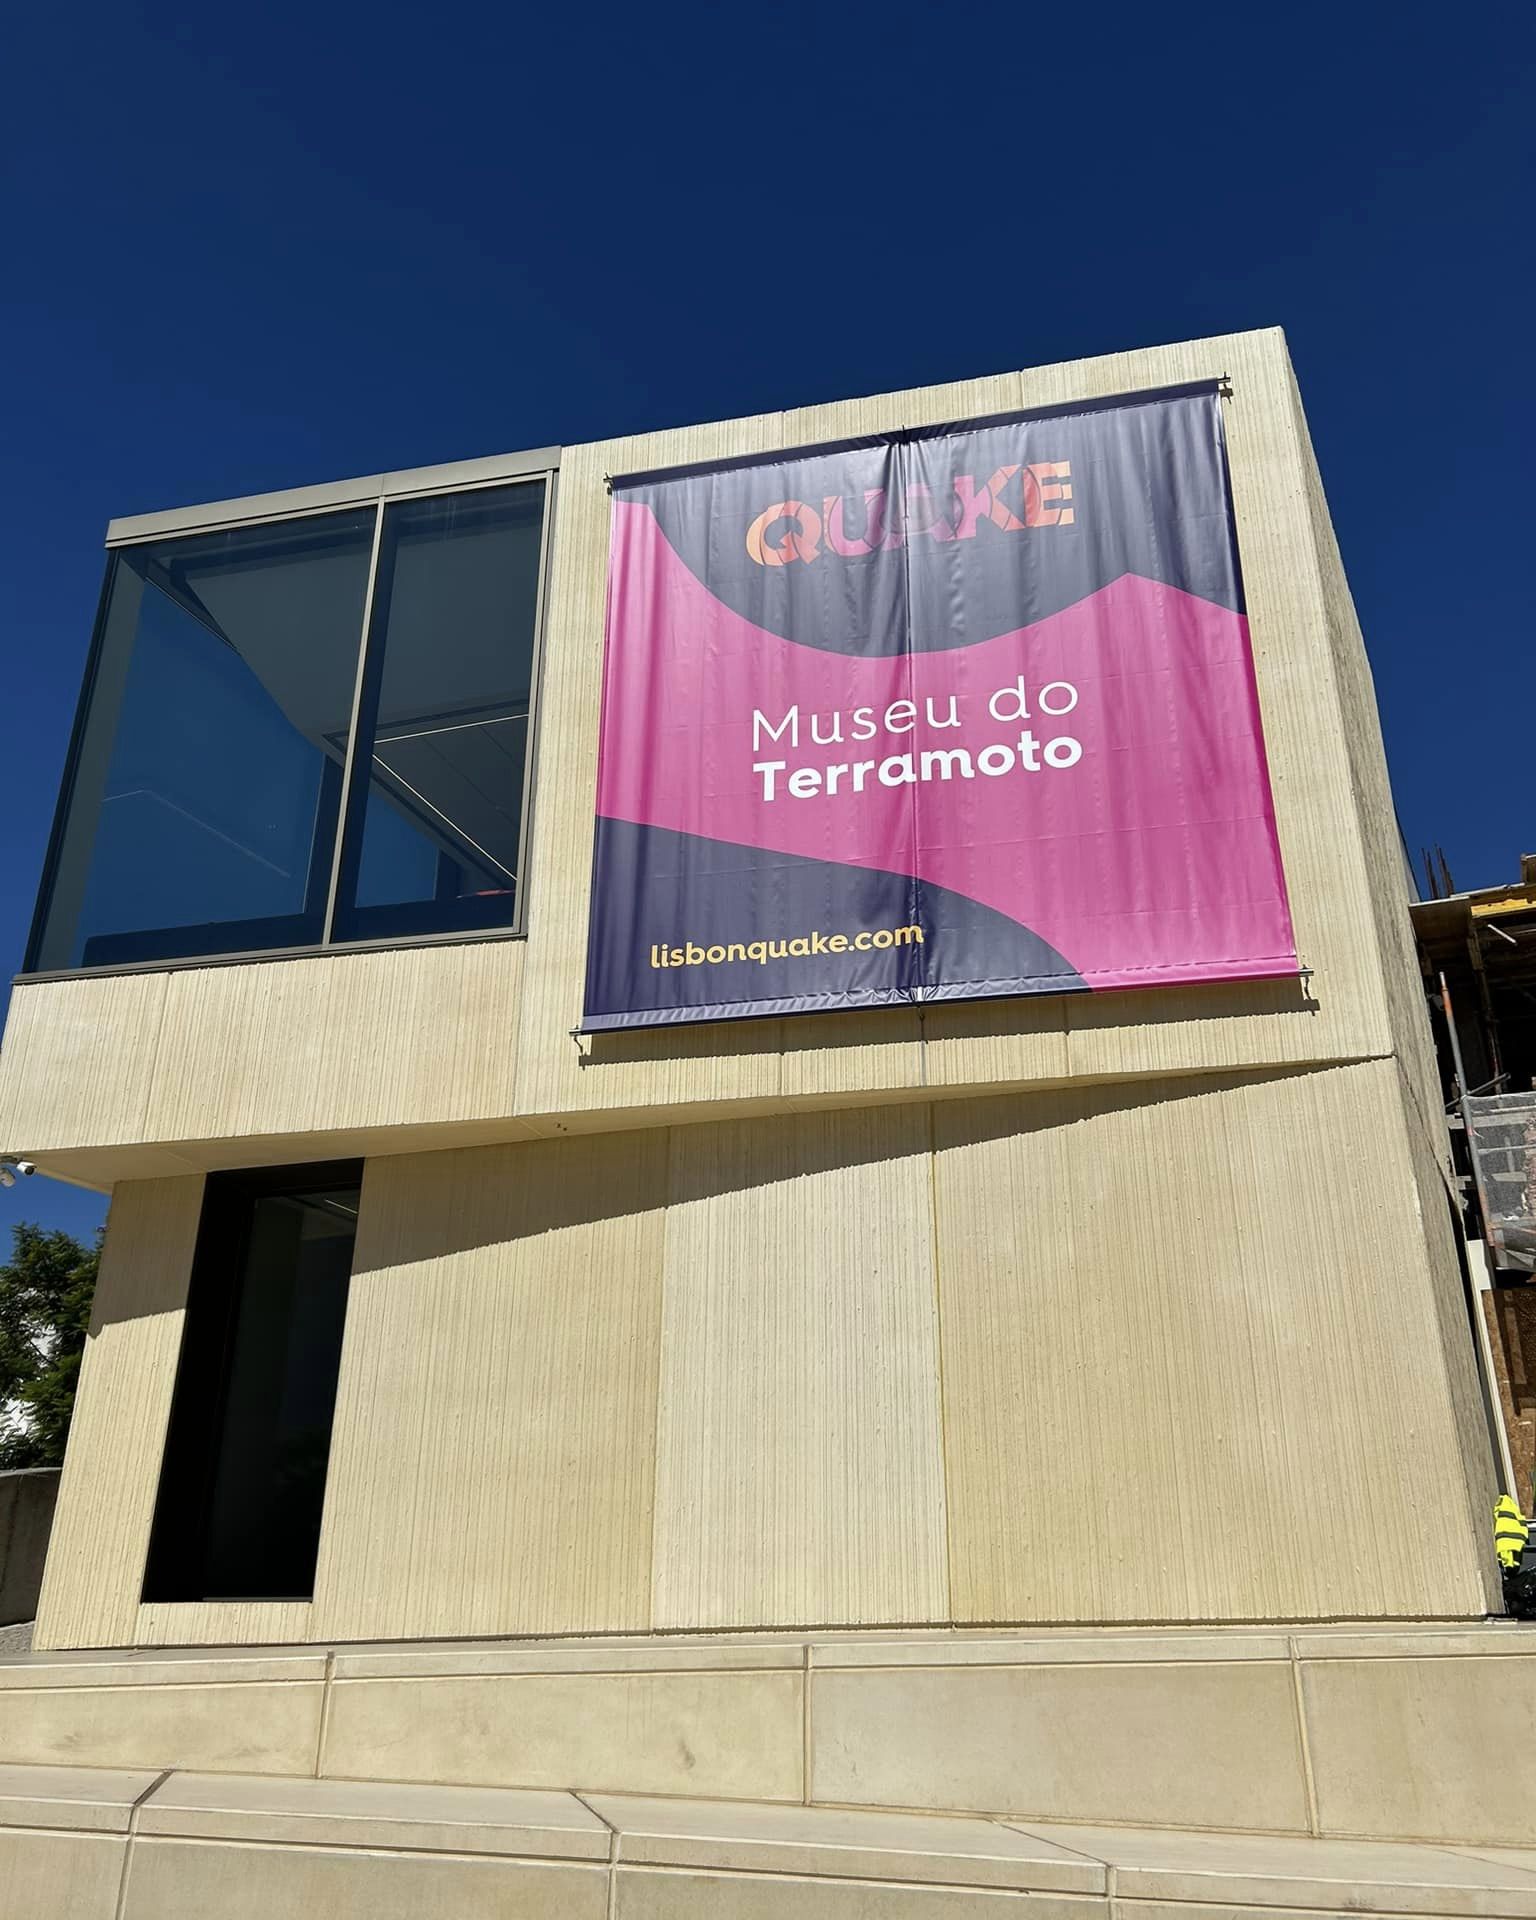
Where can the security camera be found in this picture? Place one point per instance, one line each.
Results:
(24, 1166)
(9, 1169)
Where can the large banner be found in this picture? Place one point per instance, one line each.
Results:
(935, 716)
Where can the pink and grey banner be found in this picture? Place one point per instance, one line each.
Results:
(941, 715)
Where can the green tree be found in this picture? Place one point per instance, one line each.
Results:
(45, 1309)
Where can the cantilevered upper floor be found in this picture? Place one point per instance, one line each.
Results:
(319, 881)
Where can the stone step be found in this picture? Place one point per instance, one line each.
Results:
(108, 1844)
(1417, 1732)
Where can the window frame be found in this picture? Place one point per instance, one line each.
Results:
(381, 492)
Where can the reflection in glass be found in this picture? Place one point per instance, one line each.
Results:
(203, 810)
(433, 831)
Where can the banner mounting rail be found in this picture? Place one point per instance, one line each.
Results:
(1059, 410)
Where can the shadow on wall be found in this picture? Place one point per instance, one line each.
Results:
(433, 1206)
(426, 1206)
(951, 1020)
(27, 1498)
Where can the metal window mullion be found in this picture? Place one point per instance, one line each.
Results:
(535, 702)
(280, 516)
(349, 761)
(63, 806)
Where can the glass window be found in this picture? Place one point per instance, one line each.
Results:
(207, 785)
(243, 1480)
(215, 804)
(434, 824)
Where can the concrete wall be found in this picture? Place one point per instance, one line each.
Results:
(104, 1079)
(1111, 1307)
(1412, 1734)
(1125, 1353)
(96, 1843)
(27, 1499)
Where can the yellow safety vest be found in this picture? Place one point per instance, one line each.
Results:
(1510, 1532)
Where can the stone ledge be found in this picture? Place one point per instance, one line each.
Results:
(738, 1735)
(170, 1879)
(285, 1810)
(245, 1846)
(263, 1727)
(777, 1649)
(672, 1893)
(499, 1658)
(841, 1843)
(1208, 1744)
(1068, 1646)
(1374, 1732)
(165, 1667)
(1275, 1871)
(76, 1799)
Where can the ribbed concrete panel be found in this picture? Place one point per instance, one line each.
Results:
(259, 1062)
(494, 1440)
(711, 1065)
(111, 1473)
(956, 400)
(1196, 1296)
(317, 1056)
(989, 1043)
(223, 1623)
(1370, 786)
(78, 1061)
(346, 1040)
(1189, 1330)
(1439, 1220)
(827, 1058)
(799, 1471)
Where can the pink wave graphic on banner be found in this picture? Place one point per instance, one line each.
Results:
(1136, 835)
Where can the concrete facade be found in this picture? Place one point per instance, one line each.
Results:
(1109, 1312)
(958, 1431)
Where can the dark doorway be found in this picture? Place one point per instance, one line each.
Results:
(243, 1479)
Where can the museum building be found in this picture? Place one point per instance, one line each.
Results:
(964, 1368)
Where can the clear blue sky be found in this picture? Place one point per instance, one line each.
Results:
(256, 247)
